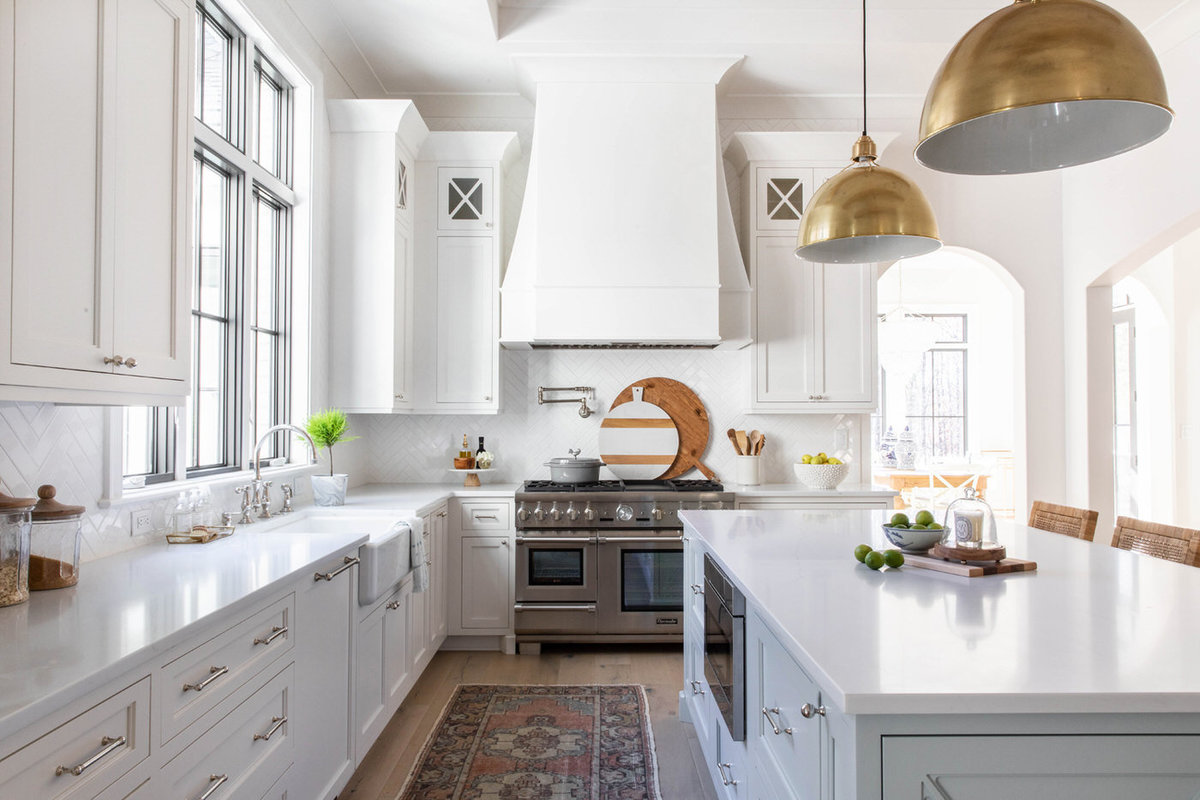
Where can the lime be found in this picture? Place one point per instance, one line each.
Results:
(893, 558)
(902, 526)
(899, 518)
(917, 526)
(933, 526)
(861, 551)
(874, 559)
(924, 517)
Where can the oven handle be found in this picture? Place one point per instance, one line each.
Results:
(556, 539)
(639, 539)
(589, 608)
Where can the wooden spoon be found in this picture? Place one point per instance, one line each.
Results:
(755, 442)
(762, 442)
(733, 438)
(743, 443)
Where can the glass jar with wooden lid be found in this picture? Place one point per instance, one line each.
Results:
(14, 548)
(54, 543)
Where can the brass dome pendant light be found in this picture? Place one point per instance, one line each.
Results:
(1041, 85)
(866, 213)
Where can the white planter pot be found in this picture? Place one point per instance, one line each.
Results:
(329, 490)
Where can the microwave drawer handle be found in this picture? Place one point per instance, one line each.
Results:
(556, 539)
(589, 608)
(640, 539)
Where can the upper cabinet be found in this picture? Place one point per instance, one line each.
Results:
(95, 132)
(416, 309)
(813, 325)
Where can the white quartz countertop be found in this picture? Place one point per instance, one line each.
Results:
(133, 605)
(418, 497)
(1094, 629)
(799, 490)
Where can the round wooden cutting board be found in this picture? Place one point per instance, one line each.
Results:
(638, 440)
(688, 414)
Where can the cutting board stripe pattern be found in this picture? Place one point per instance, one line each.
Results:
(688, 414)
(609, 459)
(637, 423)
(638, 440)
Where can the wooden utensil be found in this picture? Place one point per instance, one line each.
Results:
(762, 442)
(755, 442)
(743, 443)
(733, 438)
(690, 418)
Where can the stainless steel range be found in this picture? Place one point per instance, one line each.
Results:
(603, 561)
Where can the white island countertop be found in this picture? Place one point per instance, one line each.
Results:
(1093, 630)
(137, 604)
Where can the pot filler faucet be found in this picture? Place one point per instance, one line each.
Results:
(257, 495)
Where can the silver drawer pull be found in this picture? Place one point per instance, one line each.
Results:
(215, 782)
(808, 711)
(721, 767)
(394, 605)
(347, 563)
(579, 540)
(278, 723)
(767, 712)
(214, 673)
(492, 517)
(639, 539)
(697, 589)
(107, 745)
(696, 687)
(276, 632)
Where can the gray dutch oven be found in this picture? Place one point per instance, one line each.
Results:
(574, 469)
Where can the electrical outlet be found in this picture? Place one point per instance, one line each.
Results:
(841, 440)
(140, 523)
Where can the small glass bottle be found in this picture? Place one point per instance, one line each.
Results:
(15, 522)
(54, 542)
(181, 515)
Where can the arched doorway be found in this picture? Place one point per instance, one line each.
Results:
(959, 387)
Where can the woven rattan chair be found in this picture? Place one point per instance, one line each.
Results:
(1078, 523)
(1181, 545)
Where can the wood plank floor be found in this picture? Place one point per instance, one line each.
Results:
(660, 669)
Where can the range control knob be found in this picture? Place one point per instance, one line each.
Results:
(572, 512)
(522, 512)
(538, 513)
(656, 513)
(624, 512)
(555, 514)
(589, 513)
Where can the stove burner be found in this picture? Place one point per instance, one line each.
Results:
(625, 486)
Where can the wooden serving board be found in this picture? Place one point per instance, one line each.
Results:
(969, 570)
(689, 415)
(638, 440)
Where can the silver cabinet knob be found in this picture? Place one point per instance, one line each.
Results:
(808, 711)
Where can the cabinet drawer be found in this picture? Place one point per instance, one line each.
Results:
(102, 744)
(246, 752)
(782, 690)
(198, 679)
(485, 516)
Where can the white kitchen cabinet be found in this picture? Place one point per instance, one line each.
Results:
(813, 325)
(95, 131)
(428, 629)
(468, 359)
(373, 152)
(466, 198)
(382, 666)
(487, 591)
(324, 629)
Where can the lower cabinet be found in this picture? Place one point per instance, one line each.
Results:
(487, 603)
(382, 666)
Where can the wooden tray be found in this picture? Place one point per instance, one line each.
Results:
(201, 534)
(689, 415)
(969, 570)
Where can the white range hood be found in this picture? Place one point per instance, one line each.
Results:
(626, 236)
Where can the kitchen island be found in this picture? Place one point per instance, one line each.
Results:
(1077, 680)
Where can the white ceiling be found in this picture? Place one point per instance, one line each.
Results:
(794, 48)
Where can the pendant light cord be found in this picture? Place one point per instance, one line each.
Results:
(864, 64)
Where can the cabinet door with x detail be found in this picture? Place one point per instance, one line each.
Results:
(783, 192)
(465, 198)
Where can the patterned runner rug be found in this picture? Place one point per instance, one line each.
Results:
(539, 743)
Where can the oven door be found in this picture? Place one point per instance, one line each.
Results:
(641, 586)
(556, 569)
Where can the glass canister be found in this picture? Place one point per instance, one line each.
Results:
(54, 543)
(14, 548)
(970, 522)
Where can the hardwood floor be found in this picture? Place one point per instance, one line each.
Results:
(660, 669)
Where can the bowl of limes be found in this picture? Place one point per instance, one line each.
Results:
(917, 536)
(820, 471)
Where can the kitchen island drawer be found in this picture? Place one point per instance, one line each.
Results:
(198, 679)
(81, 757)
(486, 515)
(244, 754)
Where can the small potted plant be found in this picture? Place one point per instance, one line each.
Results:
(328, 427)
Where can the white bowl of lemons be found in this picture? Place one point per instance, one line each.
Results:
(820, 471)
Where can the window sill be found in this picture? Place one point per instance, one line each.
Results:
(170, 488)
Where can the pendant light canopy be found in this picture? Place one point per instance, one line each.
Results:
(866, 213)
(1041, 85)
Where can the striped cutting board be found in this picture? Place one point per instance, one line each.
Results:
(638, 440)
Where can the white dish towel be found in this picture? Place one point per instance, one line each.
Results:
(420, 559)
